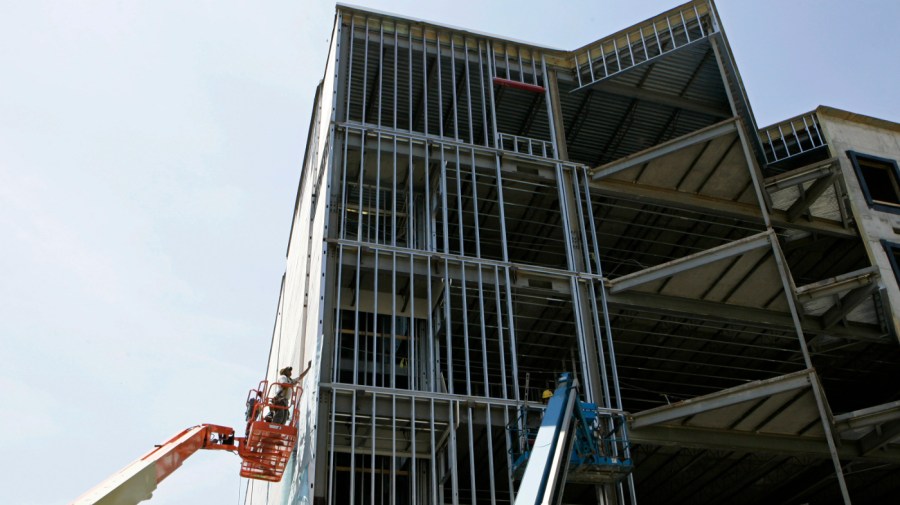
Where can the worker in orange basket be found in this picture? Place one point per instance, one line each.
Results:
(282, 394)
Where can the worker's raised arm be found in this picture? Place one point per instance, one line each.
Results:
(303, 374)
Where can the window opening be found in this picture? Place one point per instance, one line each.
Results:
(879, 179)
(893, 252)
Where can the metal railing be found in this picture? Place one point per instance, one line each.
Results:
(791, 137)
(516, 63)
(526, 145)
(655, 38)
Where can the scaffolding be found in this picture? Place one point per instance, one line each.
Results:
(476, 216)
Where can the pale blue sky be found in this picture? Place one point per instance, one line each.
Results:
(149, 156)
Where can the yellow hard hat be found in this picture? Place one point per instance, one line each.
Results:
(546, 394)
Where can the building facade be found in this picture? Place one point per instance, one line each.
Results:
(476, 216)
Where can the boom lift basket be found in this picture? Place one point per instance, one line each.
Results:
(267, 445)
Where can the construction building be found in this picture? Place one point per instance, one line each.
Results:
(477, 215)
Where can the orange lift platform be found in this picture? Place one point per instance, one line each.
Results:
(264, 449)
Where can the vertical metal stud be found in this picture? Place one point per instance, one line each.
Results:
(365, 83)
(353, 448)
(372, 431)
(413, 474)
(658, 43)
(396, 97)
(699, 22)
(409, 93)
(439, 62)
(787, 150)
(393, 353)
(484, 104)
(471, 138)
(454, 102)
(506, 55)
(644, 44)
(501, 347)
(603, 59)
(630, 51)
(671, 34)
(578, 68)
(616, 52)
(590, 66)
(425, 84)
(490, 453)
(492, 68)
(380, 71)
(350, 69)
(684, 26)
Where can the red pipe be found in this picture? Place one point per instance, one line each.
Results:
(534, 88)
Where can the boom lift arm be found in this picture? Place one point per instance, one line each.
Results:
(137, 481)
(264, 450)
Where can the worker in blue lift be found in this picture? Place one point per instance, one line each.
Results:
(546, 395)
(282, 394)
(533, 421)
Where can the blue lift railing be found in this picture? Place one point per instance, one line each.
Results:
(574, 442)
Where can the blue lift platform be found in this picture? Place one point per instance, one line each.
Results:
(575, 442)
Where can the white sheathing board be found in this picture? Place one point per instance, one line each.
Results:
(297, 338)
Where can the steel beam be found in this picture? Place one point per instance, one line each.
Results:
(871, 416)
(838, 284)
(880, 437)
(700, 203)
(809, 196)
(344, 405)
(743, 393)
(801, 175)
(639, 158)
(405, 395)
(661, 99)
(714, 311)
(846, 304)
(673, 198)
(420, 266)
(701, 258)
(713, 439)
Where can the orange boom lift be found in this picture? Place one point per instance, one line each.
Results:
(264, 449)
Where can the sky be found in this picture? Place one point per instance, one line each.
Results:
(149, 158)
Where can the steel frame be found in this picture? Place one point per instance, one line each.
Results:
(449, 257)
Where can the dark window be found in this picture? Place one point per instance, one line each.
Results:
(880, 180)
(893, 252)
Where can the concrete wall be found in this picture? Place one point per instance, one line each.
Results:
(846, 131)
